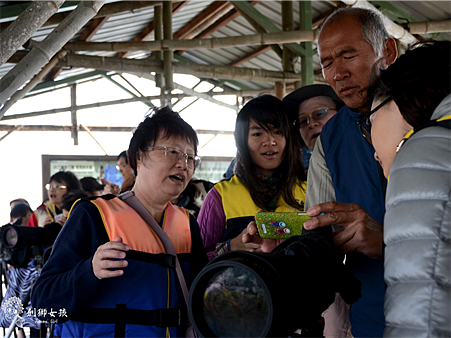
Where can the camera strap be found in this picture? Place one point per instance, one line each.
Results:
(129, 198)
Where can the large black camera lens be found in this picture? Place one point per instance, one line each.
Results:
(233, 298)
(238, 295)
(11, 237)
(247, 294)
(25, 243)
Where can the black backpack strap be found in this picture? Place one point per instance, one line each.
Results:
(162, 259)
(122, 316)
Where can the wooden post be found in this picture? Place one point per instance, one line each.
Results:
(158, 31)
(169, 54)
(73, 111)
(280, 90)
(288, 56)
(305, 19)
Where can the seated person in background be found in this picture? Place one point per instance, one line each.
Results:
(269, 175)
(91, 186)
(106, 269)
(21, 211)
(412, 140)
(310, 108)
(50, 211)
(17, 201)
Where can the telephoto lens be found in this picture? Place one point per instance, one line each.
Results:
(247, 294)
(25, 243)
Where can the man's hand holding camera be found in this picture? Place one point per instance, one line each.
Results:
(360, 232)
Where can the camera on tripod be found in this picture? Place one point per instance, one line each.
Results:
(246, 294)
(21, 244)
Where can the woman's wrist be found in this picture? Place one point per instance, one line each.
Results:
(222, 248)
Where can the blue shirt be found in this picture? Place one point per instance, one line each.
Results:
(356, 179)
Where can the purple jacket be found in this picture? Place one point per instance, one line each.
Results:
(212, 221)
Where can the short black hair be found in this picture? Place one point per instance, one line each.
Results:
(68, 178)
(19, 200)
(159, 122)
(20, 210)
(417, 82)
(124, 155)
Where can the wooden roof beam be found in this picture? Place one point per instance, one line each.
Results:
(200, 19)
(290, 37)
(9, 128)
(86, 35)
(107, 10)
(149, 30)
(202, 71)
(263, 49)
(260, 50)
(259, 20)
(218, 24)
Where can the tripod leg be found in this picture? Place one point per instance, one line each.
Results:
(12, 326)
(43, 331)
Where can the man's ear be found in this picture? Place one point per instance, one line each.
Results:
(390, 51)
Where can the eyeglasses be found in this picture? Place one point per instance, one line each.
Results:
(317, 115)
(366, 120)
(175, 155)
(56, 186)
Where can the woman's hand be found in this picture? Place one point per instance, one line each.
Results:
(264, 244)
(61, 220)
(110, 256)
(48, 220)
(110, 188)
(238, 243)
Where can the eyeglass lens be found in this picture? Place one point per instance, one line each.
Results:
(56, 186)
(175, 155)
(317, 115)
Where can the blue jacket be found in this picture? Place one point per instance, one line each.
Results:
(356, 179)
(68, 283)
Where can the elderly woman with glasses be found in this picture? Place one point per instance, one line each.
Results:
(50, 211)
(411, 114)
(110, 274)
(310, 108)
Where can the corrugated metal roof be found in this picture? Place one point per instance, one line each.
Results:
(125, 26)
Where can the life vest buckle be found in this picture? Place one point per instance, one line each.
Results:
(168, 317)
(167, 260)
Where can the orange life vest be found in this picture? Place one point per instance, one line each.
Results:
(120, 220)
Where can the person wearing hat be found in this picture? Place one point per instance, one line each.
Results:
(92, 186)
(310, 108)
